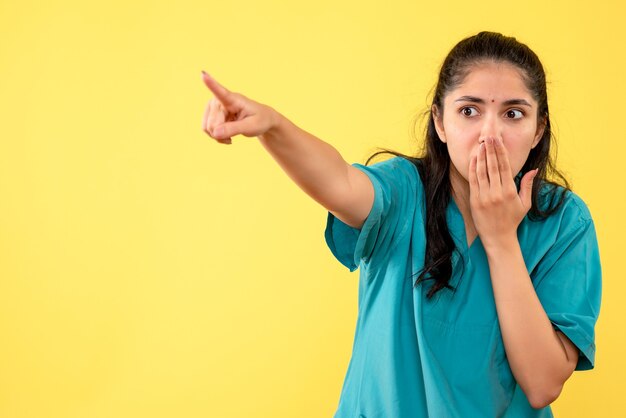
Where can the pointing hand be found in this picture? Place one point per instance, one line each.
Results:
(229, 114)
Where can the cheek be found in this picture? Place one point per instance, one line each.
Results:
(461, 156)
(517, 154)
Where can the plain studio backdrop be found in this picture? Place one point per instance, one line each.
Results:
(148, 271)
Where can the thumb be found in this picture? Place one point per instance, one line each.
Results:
(526, 188)
(239, 127)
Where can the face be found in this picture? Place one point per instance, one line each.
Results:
(478, 109)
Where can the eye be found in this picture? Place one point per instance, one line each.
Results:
(512, 111)
(464, 110)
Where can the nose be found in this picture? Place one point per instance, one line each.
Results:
(490, 128)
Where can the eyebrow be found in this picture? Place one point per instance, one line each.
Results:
(481, 101)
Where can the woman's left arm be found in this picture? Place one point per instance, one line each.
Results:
(541, 358)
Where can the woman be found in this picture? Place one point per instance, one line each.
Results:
(512, 257)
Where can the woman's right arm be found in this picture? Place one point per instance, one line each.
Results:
(314, 165)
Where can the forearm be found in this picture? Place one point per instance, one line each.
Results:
(534, 350)
(314, 165)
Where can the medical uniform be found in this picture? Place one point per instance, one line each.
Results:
(413, 357)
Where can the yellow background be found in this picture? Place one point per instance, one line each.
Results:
(148, 271)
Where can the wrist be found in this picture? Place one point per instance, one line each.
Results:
(277, 125)
(504, 244)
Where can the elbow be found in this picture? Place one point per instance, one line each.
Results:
(545, 389)
(542, 399)
(539, 402)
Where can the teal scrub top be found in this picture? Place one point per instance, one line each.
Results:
(413, 357)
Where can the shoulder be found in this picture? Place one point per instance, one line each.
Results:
(393, 163)
(396, 182)
(573, 208)
(396, 170)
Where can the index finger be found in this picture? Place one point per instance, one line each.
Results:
(221, 92)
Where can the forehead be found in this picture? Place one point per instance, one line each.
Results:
(492, 82)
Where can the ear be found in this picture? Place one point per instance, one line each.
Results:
(540, 129)
(438, 123)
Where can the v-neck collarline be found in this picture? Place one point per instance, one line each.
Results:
(463, 233)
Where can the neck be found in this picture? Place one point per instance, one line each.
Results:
(460, 191)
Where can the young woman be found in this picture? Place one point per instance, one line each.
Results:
(512, 257)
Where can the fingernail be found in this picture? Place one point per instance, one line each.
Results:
(219, 131)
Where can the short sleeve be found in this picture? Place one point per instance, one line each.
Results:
(394, 182)
(568, 283)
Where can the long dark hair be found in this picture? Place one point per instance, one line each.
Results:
(433, 161)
